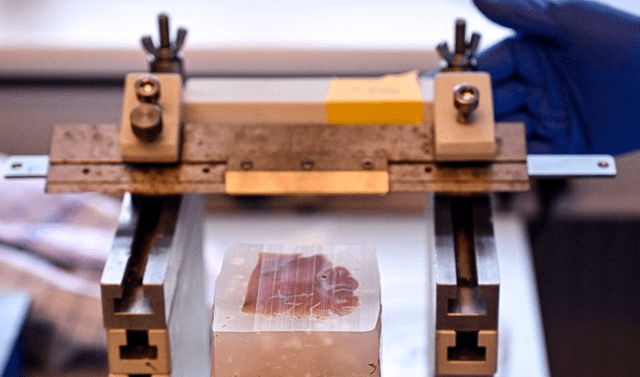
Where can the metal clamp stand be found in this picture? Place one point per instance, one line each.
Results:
(153, 282)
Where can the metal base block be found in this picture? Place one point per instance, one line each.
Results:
(467, 286)
(153, 290)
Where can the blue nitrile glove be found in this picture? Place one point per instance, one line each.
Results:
(571, 73)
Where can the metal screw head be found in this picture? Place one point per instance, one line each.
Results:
(146, 121)
(466, 98)
(246, 164)
(307, 164)
(367, 164)
(148, 88)
(603, 164)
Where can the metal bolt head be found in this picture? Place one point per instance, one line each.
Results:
(148, 88)
(146, 121)
(466, 98)
(307, 164)
(367, 164)
(246, 164)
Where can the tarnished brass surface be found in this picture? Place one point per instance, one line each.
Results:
(145, 180)
(456, 179)
(87, 158)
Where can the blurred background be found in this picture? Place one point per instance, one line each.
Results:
(64, 62)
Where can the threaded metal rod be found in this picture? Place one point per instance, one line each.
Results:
(163, 21)
(461, 30)
(462, 219)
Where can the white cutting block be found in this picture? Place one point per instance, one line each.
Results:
(302, 312)
(300, 100)
(455, 141)
(166, 148)
(256, 100)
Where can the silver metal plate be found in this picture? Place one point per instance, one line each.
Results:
(570, 166)
(26, 167)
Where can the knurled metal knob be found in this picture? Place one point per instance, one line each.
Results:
(146, 121)
(466, 98)
(148, 88)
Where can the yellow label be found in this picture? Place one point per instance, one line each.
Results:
(391, 99)
(306, 183)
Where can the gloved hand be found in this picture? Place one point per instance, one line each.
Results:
(571, 73)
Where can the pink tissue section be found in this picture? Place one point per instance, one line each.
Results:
(300, 286)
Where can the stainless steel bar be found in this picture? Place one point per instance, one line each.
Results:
(568, 166)
(190, 317)
(36, 166)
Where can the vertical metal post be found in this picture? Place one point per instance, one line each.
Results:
(153, 289)
(466, 279)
